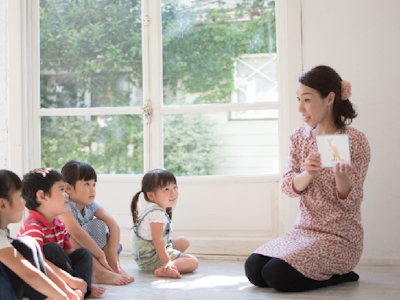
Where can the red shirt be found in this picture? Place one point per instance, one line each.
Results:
(43, 231)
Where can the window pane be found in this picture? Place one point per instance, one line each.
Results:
(90, 53)
(218, 51)
(111, 144)
(214, 144)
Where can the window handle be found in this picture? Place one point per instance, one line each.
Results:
(147, 111)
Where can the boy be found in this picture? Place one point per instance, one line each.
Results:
(44, 193)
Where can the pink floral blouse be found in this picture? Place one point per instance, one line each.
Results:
(327, 238)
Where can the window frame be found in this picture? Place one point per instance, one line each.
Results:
(288, 19)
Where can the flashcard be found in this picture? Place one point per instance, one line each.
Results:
(334, 148)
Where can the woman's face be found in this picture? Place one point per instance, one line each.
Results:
(313, 108)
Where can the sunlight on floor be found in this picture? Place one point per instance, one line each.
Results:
(211, 281)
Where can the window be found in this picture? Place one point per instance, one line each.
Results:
(97, 79)
(213, 53)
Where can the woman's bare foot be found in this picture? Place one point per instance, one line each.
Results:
(97, 291)
(173, 273)
(108, 277)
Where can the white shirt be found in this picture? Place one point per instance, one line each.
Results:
(4, 240)
(156, 216)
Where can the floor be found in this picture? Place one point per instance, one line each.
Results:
(224, 279)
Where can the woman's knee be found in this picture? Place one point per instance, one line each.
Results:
(253, 267)
(278, 274)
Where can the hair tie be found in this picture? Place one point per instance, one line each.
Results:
(346, 90)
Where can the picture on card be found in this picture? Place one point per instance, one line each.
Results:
(334, 148)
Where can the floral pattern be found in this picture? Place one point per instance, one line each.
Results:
(327, 238)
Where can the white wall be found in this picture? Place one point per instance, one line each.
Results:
(361, 41)
(4, 84)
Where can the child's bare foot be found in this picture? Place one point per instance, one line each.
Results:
(108, 277)
(173, 273)
(126, 276)
(97, 291)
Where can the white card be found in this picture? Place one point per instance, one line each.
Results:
(334, 148)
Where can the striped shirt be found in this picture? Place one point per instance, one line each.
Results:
(43, 231)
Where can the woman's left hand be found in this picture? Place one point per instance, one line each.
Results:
(341, 170)
(343, 180)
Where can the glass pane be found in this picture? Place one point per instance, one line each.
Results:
(214, 144)
(219, 51)
(90, 53)
(111, 144)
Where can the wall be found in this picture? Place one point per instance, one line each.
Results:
(361, 40)
(4, 84)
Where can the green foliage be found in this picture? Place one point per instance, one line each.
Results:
(112, 146)
(190, 144)
(200, 46)
(94, 46)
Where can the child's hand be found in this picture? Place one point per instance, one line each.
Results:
(114, 263)
(168, 270)
(78, 284)
(104, 263)
(74, 295)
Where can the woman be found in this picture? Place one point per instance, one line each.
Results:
(327, 240)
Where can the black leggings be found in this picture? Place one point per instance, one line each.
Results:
(79, 263)
(264, 271)
(30, 250)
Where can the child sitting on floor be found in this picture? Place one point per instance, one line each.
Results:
(101, 234)
(152, 248)
(22, 269)
(45, 196)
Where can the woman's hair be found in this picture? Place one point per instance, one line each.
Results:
(151, 182)
(9, 183)
(75, 170)
(325, 80)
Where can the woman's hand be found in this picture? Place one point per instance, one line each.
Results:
(341, 170)
(343, 180)
(312, 164)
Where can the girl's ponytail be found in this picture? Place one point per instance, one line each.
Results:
(169, 212)
(134, 208)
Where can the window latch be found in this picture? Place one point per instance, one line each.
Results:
(147, 111)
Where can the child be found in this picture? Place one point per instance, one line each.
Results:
(44, 192)
(99, 235)
(21, 261)
(153, 250)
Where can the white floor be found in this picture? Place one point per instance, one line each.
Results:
(224, 279)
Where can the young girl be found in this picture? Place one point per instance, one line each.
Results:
(153, 250)
(99, 235)
(21, 261)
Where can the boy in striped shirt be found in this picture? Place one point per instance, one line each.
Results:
(45, 196)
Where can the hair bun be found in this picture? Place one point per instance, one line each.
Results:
(346, 90)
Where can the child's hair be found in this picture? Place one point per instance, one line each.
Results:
(75, 170)
(9, 183)
(151, 182)
(38, 180)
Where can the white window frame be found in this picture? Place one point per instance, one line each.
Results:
(24, 92)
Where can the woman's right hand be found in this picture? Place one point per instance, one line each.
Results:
(312, 164)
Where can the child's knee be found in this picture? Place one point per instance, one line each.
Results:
(27, 246)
